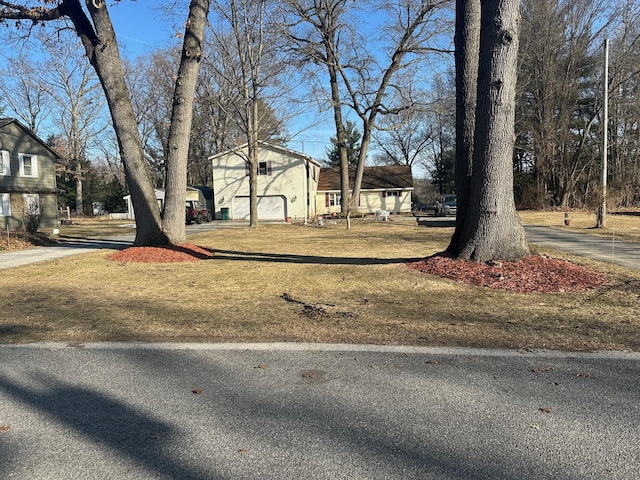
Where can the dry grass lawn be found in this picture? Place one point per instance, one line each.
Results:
(303, 283)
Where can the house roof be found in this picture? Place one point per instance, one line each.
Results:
(271, 147)
(374, 178)
(6, 121)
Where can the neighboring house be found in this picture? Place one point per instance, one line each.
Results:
(207, 193)
(193, 193)
(27, 179)
(287, 184)
(383, 188)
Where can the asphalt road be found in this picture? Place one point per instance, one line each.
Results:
(200, 412)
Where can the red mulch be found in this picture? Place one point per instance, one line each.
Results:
(185, 252)
(533, 274)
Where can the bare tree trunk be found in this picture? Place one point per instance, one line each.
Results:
(78, 178)
(329, 20)
(181, 119)
(252, 152)
(467, 51)
(102, 51)
(492, 229)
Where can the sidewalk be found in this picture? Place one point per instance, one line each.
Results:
(28, 256)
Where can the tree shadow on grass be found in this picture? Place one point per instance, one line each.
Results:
(312, 259)
(91, 243)
(437, 222)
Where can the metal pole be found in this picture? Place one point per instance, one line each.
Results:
(602, 217)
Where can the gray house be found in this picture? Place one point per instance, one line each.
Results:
(27, 178)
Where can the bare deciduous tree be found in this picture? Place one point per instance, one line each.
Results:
(358, 79)
(248, 62)
(93, 26)
(23, 92)
(76, 95)
(558, 104)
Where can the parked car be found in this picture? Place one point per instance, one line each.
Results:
(195, 211)
(420, 209)
(447, 205)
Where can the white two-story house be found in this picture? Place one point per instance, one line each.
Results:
(287, 184)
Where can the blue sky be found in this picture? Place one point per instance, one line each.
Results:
(141, 27)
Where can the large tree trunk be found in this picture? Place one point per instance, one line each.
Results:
(102, 51)
(467, 51)
(491, 228)
(341, 137)
(181, 119)
(101, 48)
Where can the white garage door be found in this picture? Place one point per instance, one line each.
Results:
(269, 208)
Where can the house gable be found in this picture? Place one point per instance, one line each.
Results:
(286, 183)
(28, 162)
(27, 177)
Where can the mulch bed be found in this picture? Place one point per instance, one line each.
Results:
(185, 252)
(533, 274)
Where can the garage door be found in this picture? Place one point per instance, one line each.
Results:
(269, 208)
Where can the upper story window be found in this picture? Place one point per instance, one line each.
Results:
(28, 165)
(264, 168)
(5, 163)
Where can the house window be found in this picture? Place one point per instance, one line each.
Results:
(5, 205)
(264, 168)
(332, 200)
(28, 165)
(31, 204)
(5, 164)
(392, 193)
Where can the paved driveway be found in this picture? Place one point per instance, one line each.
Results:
(199, 412)
(604, 249)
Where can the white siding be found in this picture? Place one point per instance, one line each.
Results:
(285, 188)
(269, 208)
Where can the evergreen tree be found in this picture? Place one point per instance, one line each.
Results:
(352, 136)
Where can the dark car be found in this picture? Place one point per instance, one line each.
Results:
(195, 211)
(447, 205)
(420, 209)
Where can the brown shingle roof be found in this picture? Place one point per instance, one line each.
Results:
(374, 178)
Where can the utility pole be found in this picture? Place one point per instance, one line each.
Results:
(601, 219)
